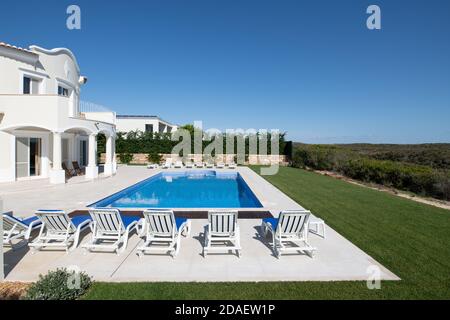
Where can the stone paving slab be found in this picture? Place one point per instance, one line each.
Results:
(336, 258)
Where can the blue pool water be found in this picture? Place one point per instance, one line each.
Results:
(190, 189)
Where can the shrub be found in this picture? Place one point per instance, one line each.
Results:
(61, 284)
(125, 158)
(419, 179)
(154, 157)
(320, 157)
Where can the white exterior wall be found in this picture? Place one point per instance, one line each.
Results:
(7, 157)
(132, 124)
(108, 117)
(12, 70)
(42, 114)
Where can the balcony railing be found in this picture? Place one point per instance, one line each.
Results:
(92, 111)
(86, 106)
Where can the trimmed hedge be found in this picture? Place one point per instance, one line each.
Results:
(151, 143)
(423, 180)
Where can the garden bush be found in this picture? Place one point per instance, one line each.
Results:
(125, 158)
(420, 179)
(61, 284)
(320, 157)
(154, 157)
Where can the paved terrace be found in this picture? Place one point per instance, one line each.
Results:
(336, 258)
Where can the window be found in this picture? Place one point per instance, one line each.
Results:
(63, 91)
(149, 128)
(30, 85)
(26, 85)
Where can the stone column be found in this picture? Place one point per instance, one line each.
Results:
(114, 161)
(92, 168)
(57, 174)
(109, 154)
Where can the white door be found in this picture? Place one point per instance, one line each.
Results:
(28, 157)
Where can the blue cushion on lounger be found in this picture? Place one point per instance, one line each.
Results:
(179, 222)
(77, 220)
(127, 220)
(29, 220)
(26, 221)
(272, 221)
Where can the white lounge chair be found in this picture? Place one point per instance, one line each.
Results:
(178, 164)
(58, 230)
(161, 227)
(152, 166)
(289, 232)
(199, 164)
(14, 228)
(232, 165)
(220, 165)
(222, 229)
(110, 229)
(167, 164)
(210, 165)
(189, 164)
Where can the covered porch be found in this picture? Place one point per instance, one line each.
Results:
(57, 155)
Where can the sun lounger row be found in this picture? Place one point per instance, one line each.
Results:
(160, 229)
(189, 164)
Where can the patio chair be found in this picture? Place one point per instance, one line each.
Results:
(167, 164)
(289, 232)
(198, 164)
(189, 164)
(209, 165)
(78, 170)
(152, 166)
(58, 230)
(110, 229)
(220, 165)
(161, 227)
(15, 228)
(178, 164)
(232, 165)
(69, 172)
(222, 229)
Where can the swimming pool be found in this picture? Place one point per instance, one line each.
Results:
(185, 189)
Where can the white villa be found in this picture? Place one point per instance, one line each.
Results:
(151, 124)
(41, 124)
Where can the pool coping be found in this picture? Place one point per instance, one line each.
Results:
(183, 170)
(271, 198)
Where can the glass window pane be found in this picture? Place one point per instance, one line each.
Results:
(22, 163)
(26, 85)
(35, 156)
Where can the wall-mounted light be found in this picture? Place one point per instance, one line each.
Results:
(82, 80)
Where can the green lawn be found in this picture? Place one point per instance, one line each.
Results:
(409, 238)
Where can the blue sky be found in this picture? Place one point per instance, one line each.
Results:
(310, 68)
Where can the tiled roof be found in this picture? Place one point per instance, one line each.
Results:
(6, 45)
